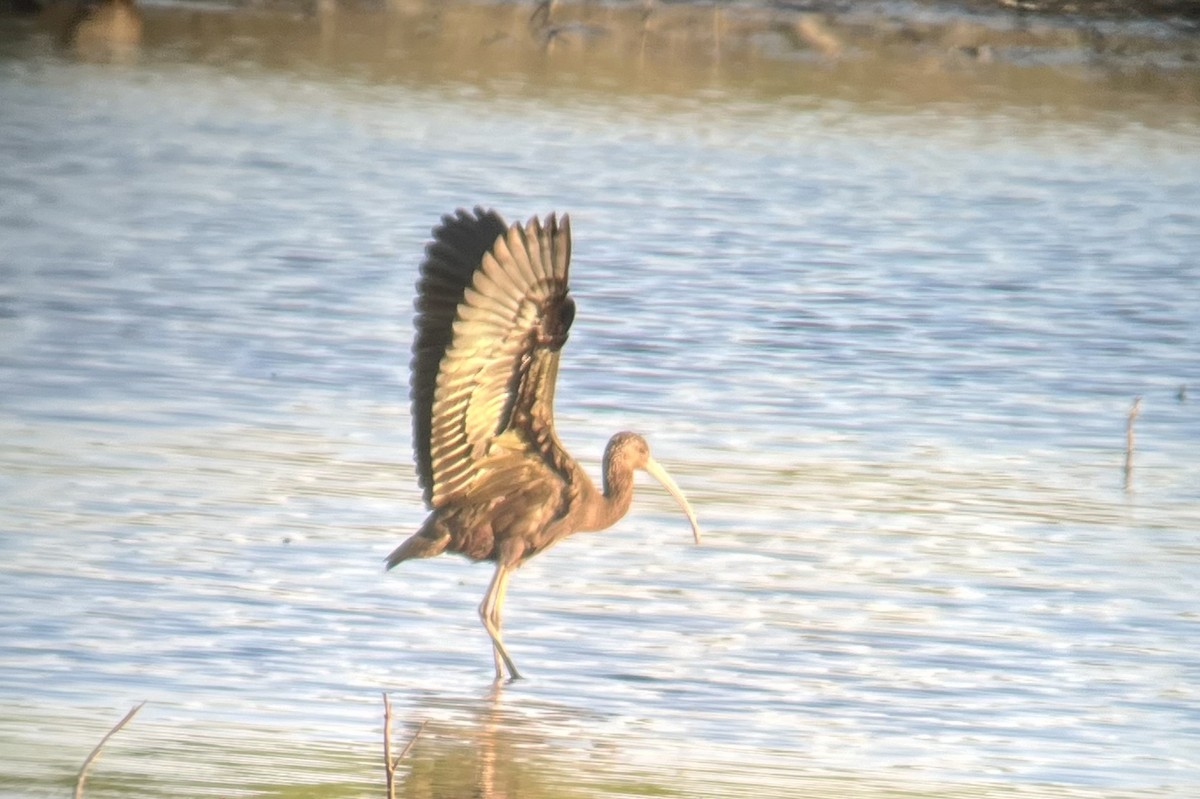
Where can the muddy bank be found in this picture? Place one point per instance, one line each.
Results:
(1181, 11)
(1160, 33)
(1104, 54)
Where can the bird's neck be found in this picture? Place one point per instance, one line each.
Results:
(609, 506)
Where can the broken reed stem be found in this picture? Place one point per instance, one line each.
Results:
(82, 778)
(390, 763)
(1134, 410)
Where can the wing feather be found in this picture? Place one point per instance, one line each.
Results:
(485, 366)
(459, 243)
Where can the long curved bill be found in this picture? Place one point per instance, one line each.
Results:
(660, 474)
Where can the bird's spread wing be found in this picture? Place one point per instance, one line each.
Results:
(492, 315)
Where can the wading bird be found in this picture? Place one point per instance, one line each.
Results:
(493, 314)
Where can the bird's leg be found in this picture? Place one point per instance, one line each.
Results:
(501, 593)
(489, 614)
(497, 608)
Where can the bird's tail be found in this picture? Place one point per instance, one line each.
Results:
(430, 540)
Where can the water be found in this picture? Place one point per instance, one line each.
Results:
(887, 350)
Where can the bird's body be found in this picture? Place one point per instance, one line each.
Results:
(493, 313)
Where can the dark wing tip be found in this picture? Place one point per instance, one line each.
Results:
(459, 243)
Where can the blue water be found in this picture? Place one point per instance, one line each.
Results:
(888, 352)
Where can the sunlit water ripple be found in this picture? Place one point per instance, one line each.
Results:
(888, 355)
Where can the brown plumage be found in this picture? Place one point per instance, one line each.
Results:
(493, 313)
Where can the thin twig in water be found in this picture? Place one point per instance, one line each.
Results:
(82, 778)
(390, 763)
(411, 743)
(1133, 414)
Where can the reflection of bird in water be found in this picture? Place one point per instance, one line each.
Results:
(493, 313)
(104, 29)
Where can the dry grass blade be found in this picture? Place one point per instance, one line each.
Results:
(390, 763)
(82, 778)
(1134, 410)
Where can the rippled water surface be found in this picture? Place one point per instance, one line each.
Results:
(888, 352)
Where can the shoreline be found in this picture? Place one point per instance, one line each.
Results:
(1046, 53)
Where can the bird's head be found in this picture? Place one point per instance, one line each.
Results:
(628, 451)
